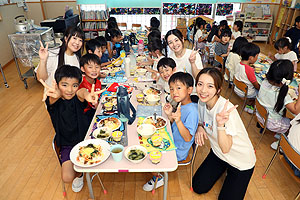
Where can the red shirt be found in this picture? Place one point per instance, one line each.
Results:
(88, 86)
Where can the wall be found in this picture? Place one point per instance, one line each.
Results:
(8, 13)
(35, 12)
(55, 9)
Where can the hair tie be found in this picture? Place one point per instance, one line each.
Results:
(108, 34)
(289, 39)
(284, 81)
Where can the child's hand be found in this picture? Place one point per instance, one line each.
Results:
(168, 109)
(192, 57)
(154, 76)
(223, 116)
(50, 91)
(177, 115)
(93, 96)
(43, 53)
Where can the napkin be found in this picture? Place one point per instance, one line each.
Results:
(145, 111)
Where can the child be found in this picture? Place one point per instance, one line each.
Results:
(65, 104)
(68, 53)
(245, 73)
(273, 95)
(199, 37)
(294, 34)
(154, 24)
(237, 29)
(231, 149)
(112, 36)
(90, 66)
(184, 121)
(105, 57)
(222, 47)
(283, 47)
(233, 58)
(93, 47)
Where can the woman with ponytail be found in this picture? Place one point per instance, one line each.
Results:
(273, 95)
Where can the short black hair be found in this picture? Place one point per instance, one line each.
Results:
(67, 71)
(248, 50)
(89, 57)
(92, 45)
(154, 22)
(239, 24)
(164, 62)
(297, 19)
(283, 42)
(183, 77)
(102, 41)
(225, 33)
(155, 44)
(154, 34)
(237, 45)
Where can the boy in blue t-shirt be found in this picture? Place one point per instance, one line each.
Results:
(184, 121)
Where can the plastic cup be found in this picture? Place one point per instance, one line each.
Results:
(117, 152)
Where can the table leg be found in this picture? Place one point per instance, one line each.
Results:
(165, 185)
(89, 183)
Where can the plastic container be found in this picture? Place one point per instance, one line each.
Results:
(141, 47)
(127, 66)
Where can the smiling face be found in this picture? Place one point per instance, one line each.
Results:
(91, 70)
(206, 90)
(74, 44)
(166, 72)
(180, 92)
(175, 43)
(68, 87)
(98, 52)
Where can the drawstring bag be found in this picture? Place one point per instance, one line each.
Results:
(124, 105)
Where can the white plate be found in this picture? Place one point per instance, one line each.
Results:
(145, 91)
(75, 150)
(157, 118)
(139, 147)
(112, 129)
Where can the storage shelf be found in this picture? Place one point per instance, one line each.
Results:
(93, 20)
(258, 21)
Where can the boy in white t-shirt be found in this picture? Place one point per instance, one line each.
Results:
(245, 73)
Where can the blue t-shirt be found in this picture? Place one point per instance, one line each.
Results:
(190, 119)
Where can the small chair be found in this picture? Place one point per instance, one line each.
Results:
(262, 111)
(243, 87)
(228, 75)
(291, 153)
(136, 25)
(221, 61)
(209, 55)
(122, 26)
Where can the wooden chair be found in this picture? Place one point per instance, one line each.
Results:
(122, 26)
(293, 156)
(289, 115)
(228, 75)
(243, 87)
(221, 61)
(209, 56)
(262, 111)
(136, 25)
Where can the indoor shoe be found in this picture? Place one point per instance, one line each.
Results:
(77, 184)
(277, 136)
(250, 109)
(274, 145)
(150, 184)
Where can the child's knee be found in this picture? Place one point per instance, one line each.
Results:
(67, 177)
(200, 188)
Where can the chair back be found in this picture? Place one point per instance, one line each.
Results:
(136, 25)
(56, 150)
(241, 85)
(291, 153)
(227, 73)
(219, 59)
(262, 111)
(188, 160)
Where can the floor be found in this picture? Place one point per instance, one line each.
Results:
(30, 170)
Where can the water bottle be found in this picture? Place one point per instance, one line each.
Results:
(127, 66)
(141, 47)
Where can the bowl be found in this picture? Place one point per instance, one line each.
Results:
(134, 153)
(102, 133)
(141, 71)
(152, 99)
(146, 130)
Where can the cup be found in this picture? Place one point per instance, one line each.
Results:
(117, 152)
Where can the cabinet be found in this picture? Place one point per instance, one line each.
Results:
(257, 29)
(93, 23)
(285, 20)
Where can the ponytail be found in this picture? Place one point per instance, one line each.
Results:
(281, 96)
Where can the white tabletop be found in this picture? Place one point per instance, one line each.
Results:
(168, 161)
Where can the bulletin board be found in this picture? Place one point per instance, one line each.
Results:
(224, 9)
(134, 11)
(187, 9)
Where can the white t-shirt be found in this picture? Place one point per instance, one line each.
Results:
(241, 154)
(240, 74)
(52, 64)
(232, 61)
(292, 56)
(198, 35)
(294, 136)
(236, 34)
(267, 97)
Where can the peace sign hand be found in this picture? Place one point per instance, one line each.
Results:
(43, 52)
(223, 116)
(93, 96)
(192, 57)
(50, 91)
(177, 115)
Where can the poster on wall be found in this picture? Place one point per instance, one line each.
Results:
(224, 9)
(134, 11)
(203, 9)
(179, 9)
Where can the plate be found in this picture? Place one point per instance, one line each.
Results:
(148, 91)
(110, 122)
(160, 119)
(75, 152)
(111, 99)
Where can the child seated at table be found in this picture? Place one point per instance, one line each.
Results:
(105, 57)
(237, 29)
(245, 73)
(184, 121)
(273, 95)
(283, 47)
(90, 67)
(65, 104)
(222, 47)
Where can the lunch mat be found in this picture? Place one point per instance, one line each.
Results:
(144, 111)
(167, 144)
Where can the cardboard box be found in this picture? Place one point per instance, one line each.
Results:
(181, 22)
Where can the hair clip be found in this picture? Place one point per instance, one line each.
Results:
(289, 39)
(284, 81)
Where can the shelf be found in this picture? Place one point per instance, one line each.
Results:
(246, 28)
(258, 21)
(101, 29)
(93, 20)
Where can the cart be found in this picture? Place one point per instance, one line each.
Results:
(25, 48)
